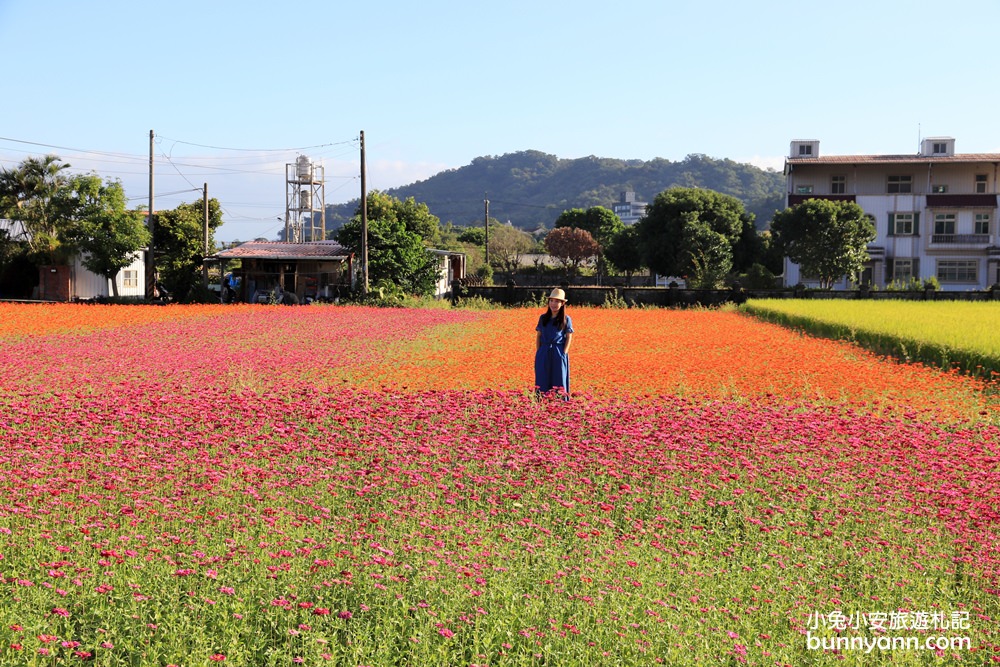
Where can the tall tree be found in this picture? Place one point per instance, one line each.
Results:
(109, 235)
(602, 224)
(396, 254)
(179, 241)
(691, 232)
(35, 194)
(825, 238)
(571, 246)
(625, 252)
(507, 245)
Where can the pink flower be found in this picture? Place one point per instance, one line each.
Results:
(445, 632)
(345, 615)
(216, 657)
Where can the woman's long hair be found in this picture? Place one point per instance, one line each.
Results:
(559, 319)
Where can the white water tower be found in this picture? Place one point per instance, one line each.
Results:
(305, 201)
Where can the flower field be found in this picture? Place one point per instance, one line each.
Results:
(258, 485)
(960, 334)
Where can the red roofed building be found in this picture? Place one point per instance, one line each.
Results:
(935, 212)
(314, 270)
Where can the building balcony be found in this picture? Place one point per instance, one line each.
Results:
(960, 239)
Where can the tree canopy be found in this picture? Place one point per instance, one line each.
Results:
(397, 256)
(507, 245)
(601, 222)
(828, 239)
(625, 252)
(571, 246)
(692, 232)
(35, 194)
(179, 244)
(107, 233)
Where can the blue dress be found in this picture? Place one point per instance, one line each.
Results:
(551, 360)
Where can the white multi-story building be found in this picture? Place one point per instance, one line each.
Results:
(935, 213)
(628, 209)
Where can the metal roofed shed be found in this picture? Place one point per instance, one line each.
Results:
(312, 271)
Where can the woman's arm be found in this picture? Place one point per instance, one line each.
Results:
(538, 340)
(569, 339)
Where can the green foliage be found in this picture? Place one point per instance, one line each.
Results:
(625, 252)
(507, 245)
(825, 238)
(692, 232)
(179, 244)
(600, 222)
(396, 252)
(532, 188)
(946, 334)
(473, 235)
(485, 273)
(36, 194)
(758, 276)
(109, 235)
(914, 284)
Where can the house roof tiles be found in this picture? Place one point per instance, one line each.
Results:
(317, 250)
(895, 159)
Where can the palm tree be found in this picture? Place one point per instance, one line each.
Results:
(33, 193)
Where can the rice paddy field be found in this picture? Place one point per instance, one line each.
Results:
(258, 485)
(950, 334)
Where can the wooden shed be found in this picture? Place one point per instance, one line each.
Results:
(318, 270)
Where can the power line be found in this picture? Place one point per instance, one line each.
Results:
(258, 150)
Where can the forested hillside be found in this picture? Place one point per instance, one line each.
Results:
(531, 188)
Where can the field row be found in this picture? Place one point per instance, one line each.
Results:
(353, 486)
(947, 334)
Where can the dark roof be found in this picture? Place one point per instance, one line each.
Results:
(317, 250)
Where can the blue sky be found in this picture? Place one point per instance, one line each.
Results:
(235, 90)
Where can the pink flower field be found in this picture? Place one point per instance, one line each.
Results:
(253, 486)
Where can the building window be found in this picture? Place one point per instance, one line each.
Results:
(900, 184)
(902, 269)
(803, 189)
(838, 185)
(806, 149)
(130, 278)
(940, 149)
(982, 225)
(902, 224)
(939, 189)
(957, 270)
(980, 183)
(944, 223)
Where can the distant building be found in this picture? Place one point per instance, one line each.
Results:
(73, 281)
(628, 209)
(935, 212)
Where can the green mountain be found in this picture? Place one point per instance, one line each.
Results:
(531, 188)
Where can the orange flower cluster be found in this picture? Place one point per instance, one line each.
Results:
(698, 354)
(19, 320)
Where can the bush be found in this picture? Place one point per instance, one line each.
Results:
(485, 273)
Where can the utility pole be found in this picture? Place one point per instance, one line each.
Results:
(364, 221)
(151, 251)
(486, 223)
(204, 263)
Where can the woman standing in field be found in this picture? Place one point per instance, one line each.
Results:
(555, 333)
